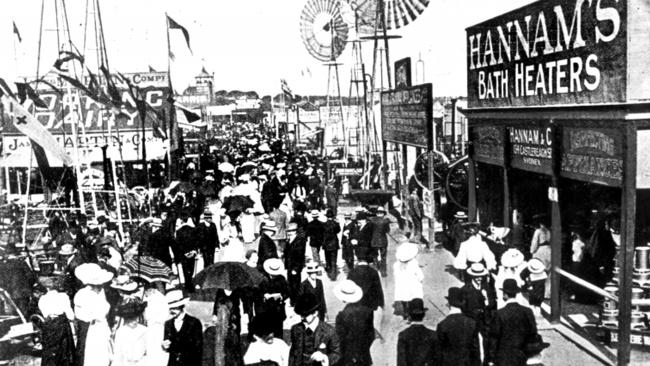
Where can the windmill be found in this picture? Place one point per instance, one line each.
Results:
(325, 33)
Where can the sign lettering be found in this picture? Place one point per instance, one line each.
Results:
(531, 148)
(592, 155)
(407, 115)
(551, 52)
(488, 144)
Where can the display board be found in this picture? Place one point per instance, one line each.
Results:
(407, 116)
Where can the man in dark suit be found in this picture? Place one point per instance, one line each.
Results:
(316, 231)
(363, 235)
(367, 278)
(185, 249)
(314, 286)
(379, 243)
(208, 237)
(331, 244)
(417, 345)
(458, 334)
(312, 342)
(512, 327)
(183, 337)
(294, 259)
(354, 325)
(349, 232)
(266, 248)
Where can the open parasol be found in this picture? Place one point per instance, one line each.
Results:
(228, 276)
(234, 205)
(148, 268)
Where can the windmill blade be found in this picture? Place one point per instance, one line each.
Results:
(323, 30)
(398, 13)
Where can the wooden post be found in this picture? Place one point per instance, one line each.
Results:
(471, 184)
(384, 161)
(556, 228)
(507, 216)
(405, 167)
(628, 221)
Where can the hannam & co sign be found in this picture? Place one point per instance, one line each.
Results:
(549, 53)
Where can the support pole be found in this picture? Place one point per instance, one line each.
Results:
(384, 162)
(471, 185)
(432, 215)
(556, 228)
(628, 220)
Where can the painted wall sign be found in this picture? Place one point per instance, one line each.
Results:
(549, 53)
(592, 155)
(407, 115)
(531, 147)
(643, 159)
(488, 145)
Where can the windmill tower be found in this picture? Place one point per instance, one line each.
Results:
(324, 33)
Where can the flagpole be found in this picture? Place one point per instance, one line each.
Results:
(171, 91)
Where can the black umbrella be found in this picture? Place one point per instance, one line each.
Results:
(234, 205)
(229, 276)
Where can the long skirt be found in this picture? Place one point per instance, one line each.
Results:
(98, 347)
(155, 353)
(58, 342)
(248, 227)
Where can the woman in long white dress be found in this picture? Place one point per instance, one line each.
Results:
(408, 274)
(155, 315)
(130, 342)
(91, 310)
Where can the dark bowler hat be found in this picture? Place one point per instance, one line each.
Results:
(307, 303)
(455, 297)
(510, 287)
(416, 307)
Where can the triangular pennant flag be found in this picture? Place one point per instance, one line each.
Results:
(17, 33)
(151, 69)
(174, 25)
(188, 114)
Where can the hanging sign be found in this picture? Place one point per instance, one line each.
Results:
(592, 155)
(531, 147)
(553, 52)
(407, 115)
(403, 73)
(487, 142)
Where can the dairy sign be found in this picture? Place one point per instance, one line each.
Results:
(554, 52)
(531, 147)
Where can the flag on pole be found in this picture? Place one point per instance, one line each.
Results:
(286, 90)
(151, 69)
(28, 125)
(174, 25)
(17, 33)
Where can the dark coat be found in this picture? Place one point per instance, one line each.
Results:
(318, 292)
(273, 307)
(417, 345)
(368, 279)
(475, 306)
(354, 326)
(186, 241)
(187, 344)
(158, 246)
(458, 340)
(266, 249)
(294, 253)
(380, 230)
(331, 239)
(324, 334)
(348, 251)
(316, 233)
(208, 237)
(512, 326)
(364, 235)
(332, 195)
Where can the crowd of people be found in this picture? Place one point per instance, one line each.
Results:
(275, 212)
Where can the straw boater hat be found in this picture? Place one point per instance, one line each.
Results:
(67, 249)
(292, 227)
(512, 258)
(460, 215)
(348, 291)
(176, 299)
(124, 283)
(312, 267)
(477, 270)
(269, 226)
(406, 251)
(273, 266)
(92, 274)
(381, 209)
(314, 213)
(537, 269)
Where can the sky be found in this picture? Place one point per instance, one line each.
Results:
(247, 44)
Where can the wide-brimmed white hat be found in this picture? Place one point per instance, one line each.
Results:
(348, 291)
(92, 274)
(477, 270)
(536, 266)
(274, 266)
(175, 298)
(460, 215)
(406, 251)
(124, 283)
(67, 249)
(512, 258)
